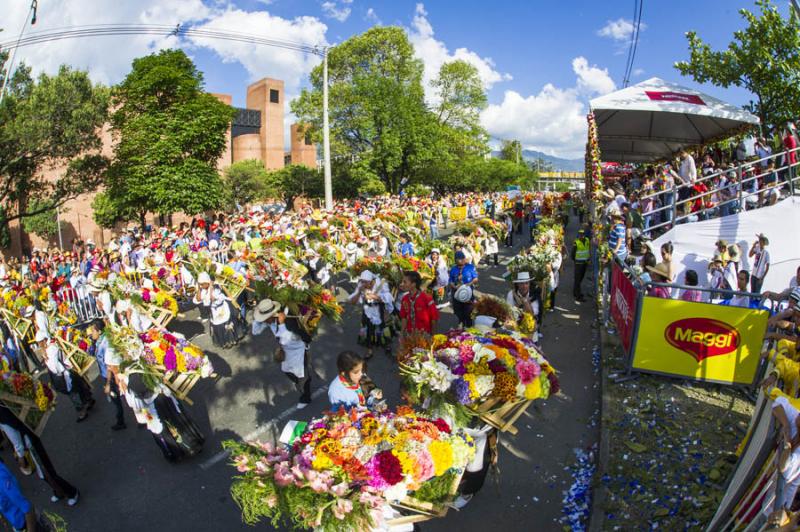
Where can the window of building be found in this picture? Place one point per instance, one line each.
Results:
(274, 96)
(307, 138)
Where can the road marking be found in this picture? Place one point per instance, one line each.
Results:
(272, 423)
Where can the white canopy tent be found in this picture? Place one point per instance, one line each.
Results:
(654, 119)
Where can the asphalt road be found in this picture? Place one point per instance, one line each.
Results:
(126, 485)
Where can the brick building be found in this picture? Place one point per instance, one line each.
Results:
(257, 132)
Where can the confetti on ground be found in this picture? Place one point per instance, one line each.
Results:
(577, 500)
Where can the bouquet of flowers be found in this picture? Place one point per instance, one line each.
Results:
(346, 467)
(413, 264)
(23, 385)
(174, 353)
(465, 368)
(309, 303)
(381, 267)
(492, 227)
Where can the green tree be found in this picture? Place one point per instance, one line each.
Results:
(460, 98)
(171, 135)
(511, 150)
(107, 214)
(43, 224)
(763, 58)
(52, 124)
(244, 182)
(377, 107)
(296, 180)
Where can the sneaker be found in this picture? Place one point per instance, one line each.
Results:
(461, 501)
(74, 500)
(301, 406)
(54, 498)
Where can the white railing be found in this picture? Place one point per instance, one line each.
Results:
(734, 196)
(80, 302)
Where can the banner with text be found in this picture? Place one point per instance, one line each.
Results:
(699, 341)
(623, 305)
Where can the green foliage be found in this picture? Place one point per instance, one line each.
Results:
(295, 180)
(245, 182)
(43, 224)
(171, 135)
(106, 213)
(511, 150)
(418, 190)
(437, 490)
(763, 58)
(43, 124)
(5, 232)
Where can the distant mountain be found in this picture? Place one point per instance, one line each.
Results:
(566, 165)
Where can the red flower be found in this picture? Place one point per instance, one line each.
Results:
(554, 385)
(389, 467)
(442, 425)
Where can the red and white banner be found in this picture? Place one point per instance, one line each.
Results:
(623, 305)
(669, 96)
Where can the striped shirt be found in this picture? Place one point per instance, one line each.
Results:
(617, 234)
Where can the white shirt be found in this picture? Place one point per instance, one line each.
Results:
(688, 171)
(220, 312)
(373, 312)
(761, 262)
(293, 346)
(42, 322)
(54, 361)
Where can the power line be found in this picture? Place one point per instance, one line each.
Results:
(630, 42)
(635, 44)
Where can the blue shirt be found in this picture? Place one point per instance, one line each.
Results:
(468, 273)
(617, 234)
(407, 249)
(100, 349)
(13, 505)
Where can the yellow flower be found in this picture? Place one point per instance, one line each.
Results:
(180, 362)
(406, 462)
(321, 462)
(442, 455)
(439, 340)
(533, 390)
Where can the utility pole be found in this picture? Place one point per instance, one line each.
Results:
(10, 70)
(326, 140)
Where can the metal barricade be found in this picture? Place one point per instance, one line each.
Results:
(80, 303)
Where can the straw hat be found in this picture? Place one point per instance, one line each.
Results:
(522, 277)
(148, 284)
(366, 276)
(351, 248)
(733, 253)
(265, 309)
(41, 335)
(203, 278)
(660, 269)
(484, 323)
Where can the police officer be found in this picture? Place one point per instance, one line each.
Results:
(580, 254)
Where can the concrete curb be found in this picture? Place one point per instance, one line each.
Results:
(599, 491)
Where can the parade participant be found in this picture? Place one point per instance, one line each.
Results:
(25, 441)
(761, 263)
(406, 248)
(692, 294)
(523, 299)
(491, 249)
(379, 245)
(63, 378)
(580, 254)
(349, 388)
(203, 296)
(16, 509)
(108, 361)
(418, 311)
(352, 254)
(223, 329)
(554, 271)
(509, 228)
(439, 266)
(175, 433)
(293, 353)
(377, 304)
(462, 280)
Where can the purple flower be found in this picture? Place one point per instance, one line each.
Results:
(460, 389)
(170, 361)
(496, 366)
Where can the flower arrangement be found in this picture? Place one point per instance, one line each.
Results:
(489, 305)
(346, 466)
(381, 267)
(174, 353)
(464, 368)
(310, 303)
(23, 385)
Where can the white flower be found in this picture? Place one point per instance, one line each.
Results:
(484, 384)
(396, 492)
(482, 352)
(436, 375)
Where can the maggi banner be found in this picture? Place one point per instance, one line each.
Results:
(699, 341)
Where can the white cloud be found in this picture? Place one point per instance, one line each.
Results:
(619, 30)
(592, 78)
(638, 71)
(261, 61)
(552, 121)
(107, 59)
(333, 10)
(434, 53)
(372, 17)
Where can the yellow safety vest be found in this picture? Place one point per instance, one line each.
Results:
(581, 250)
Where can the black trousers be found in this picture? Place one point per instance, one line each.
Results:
(463, 312)
(116, 400)
(303, 386)
(81, 394)
(580, 273)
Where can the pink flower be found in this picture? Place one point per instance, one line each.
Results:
(527, 371)
(283, 477)
(271, 500)
(262, 466)
(339, 489)
(342, 508)
(146, 295)
(241, 463)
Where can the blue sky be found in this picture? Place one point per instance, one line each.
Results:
(541, 60)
